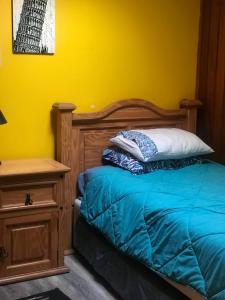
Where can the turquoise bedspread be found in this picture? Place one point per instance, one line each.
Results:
(171, 221)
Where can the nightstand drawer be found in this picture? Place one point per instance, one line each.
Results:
(28, 195)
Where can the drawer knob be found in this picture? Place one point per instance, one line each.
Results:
(3, 253)
(28, 200)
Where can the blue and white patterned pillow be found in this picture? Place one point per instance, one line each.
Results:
(160, 144)
(136, 143)
(145, 144)
(125, 160)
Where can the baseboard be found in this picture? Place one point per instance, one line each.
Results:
(36, 275)
(68, 252)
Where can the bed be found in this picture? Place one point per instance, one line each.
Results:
(80, 140)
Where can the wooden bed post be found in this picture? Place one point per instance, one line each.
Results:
(62, 113)
(191, 106)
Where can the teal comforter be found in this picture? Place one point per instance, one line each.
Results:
(171, 221)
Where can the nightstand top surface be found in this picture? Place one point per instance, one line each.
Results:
(31, 166)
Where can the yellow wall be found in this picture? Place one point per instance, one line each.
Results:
(105, 50)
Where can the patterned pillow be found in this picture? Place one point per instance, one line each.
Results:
(125, 160)
(144, 144)
(160, 144)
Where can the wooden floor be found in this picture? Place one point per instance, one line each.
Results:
(80, 284)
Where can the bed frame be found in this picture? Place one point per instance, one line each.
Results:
(81, 137)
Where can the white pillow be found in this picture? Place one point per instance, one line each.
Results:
(160, 144)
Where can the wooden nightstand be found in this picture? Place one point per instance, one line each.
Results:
(31, 206)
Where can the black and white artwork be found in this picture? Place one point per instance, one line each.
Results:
(34, 26)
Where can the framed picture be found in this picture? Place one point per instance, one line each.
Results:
(34, 26)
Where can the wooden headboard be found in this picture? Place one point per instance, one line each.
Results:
(80, 138)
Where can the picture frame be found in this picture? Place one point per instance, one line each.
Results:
(33, 26)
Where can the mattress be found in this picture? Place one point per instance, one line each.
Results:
(171, 221)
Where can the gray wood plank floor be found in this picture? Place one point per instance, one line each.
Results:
(80, 284)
